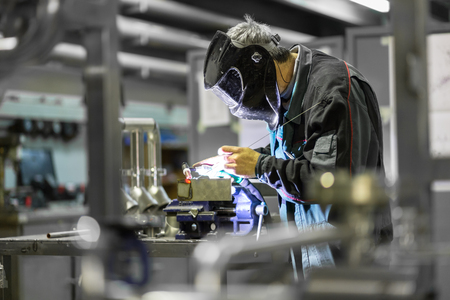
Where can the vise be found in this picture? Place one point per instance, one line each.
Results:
(212, 207)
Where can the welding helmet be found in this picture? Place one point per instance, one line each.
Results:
(244, 78)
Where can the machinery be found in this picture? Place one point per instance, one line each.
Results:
(209, 207)
(146, 202)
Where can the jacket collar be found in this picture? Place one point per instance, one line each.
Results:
(301, 84)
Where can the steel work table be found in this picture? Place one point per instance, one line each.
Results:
(12, 248)
(66, 246)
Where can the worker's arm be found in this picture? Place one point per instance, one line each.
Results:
(339, 135)
(240, 161)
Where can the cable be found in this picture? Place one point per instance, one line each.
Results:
(286, 123)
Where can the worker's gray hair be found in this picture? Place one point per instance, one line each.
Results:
(251, 32)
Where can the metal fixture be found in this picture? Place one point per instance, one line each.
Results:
(153, 198)
(138, 192)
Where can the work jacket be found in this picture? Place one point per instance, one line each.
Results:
(340, 128)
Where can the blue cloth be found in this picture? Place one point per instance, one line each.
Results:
(307, 217)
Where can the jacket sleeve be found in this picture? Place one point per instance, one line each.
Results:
(330, 135)
(263, 150)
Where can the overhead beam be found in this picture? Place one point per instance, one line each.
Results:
(207, 20)
(343, 10)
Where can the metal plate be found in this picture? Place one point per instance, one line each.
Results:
(205, 189)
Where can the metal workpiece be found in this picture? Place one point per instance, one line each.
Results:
(146, 203)
(171, 226)
(137, 128)
(213, 258)
(130, 205)
(205, 189)
(138, 192)
(153, 198)
(155, 166)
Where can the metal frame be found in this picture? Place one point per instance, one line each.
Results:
(416, 169)
(439, 167)
(336, 43)
(68, 246)
(352, 33)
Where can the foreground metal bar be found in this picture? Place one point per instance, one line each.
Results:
(71, 246)
(410, 25)
(103, 94)
(213, 258)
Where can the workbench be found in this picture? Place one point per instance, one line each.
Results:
(67, 246)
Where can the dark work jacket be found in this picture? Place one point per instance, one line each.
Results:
(341, 129)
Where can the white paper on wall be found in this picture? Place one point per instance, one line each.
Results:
(213, 112)
(439, 93)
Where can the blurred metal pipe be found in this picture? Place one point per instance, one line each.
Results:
(186, 13)
(60, 234)
(126, 60)
(212, 258)
(44, 30)
(147, 32)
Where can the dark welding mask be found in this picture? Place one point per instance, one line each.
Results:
(244, 78)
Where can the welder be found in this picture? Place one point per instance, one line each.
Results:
(321, 113)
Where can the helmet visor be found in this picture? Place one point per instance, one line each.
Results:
(243, 78)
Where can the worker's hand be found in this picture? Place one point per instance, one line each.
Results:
(234, 160)
(240, 161)
(212, 161)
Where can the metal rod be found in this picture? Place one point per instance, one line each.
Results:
(53, 235)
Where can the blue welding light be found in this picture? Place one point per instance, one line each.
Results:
(236, 179)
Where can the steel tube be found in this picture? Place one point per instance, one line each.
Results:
(212, 258)
(54, 235)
